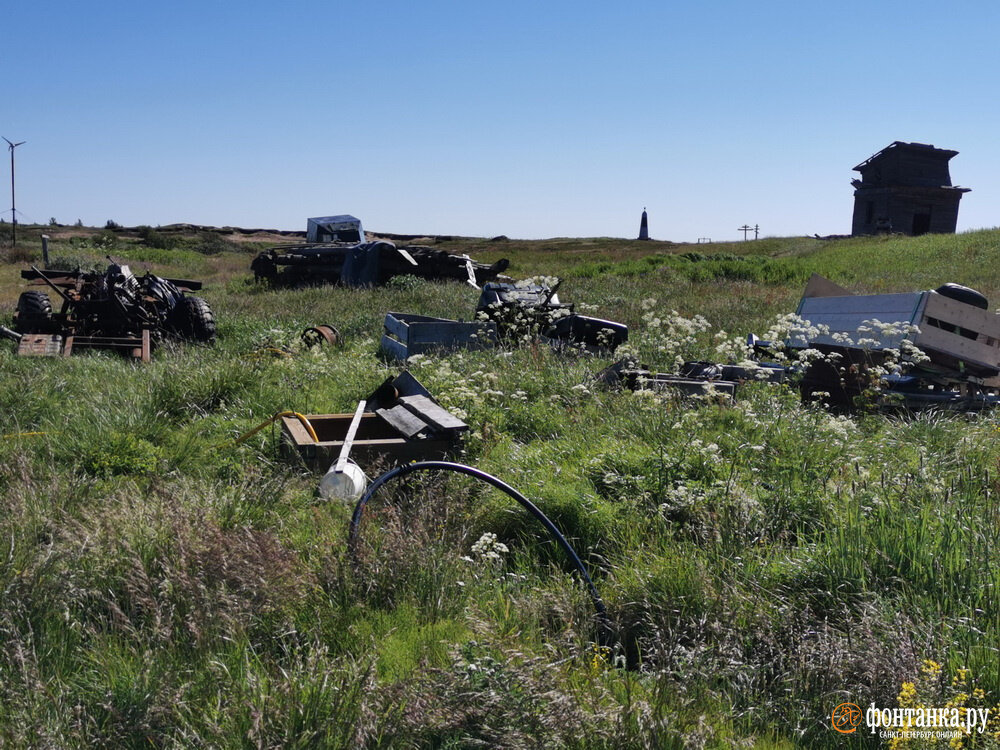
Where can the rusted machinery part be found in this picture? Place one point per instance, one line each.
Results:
(321, 334)
(401, 471)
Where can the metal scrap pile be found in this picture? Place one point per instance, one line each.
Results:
(114, 310)
(366, 264)
(534, 309)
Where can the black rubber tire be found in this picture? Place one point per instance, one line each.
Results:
(964, 294)
(33, 312)
(195, 320)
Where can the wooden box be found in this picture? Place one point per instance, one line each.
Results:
(376, 441)
(406, 334)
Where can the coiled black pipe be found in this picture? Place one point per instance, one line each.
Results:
(352, 537)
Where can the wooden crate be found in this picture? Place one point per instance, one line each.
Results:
(376, 441)
(406, 334)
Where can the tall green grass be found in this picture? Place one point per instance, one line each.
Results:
(761, 561)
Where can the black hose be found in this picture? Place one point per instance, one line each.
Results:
(352, 538)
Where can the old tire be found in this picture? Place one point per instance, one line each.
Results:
(195, 320)
(33, 312)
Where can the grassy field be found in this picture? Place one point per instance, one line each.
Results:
(761, 562)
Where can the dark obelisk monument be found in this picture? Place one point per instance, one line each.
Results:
(643, 226)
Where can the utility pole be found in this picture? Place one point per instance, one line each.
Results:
(13, 208)
(745, 228)
(756, 230)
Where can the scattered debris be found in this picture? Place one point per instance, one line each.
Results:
(533, 308)
(695, 379)
(915, 350)
(366, 264)
(111, 310)
(406, 334)
(399, 422)
(951, 326)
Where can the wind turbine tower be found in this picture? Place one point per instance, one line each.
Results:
(13, 209)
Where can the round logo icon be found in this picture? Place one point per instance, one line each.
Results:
(846, 718)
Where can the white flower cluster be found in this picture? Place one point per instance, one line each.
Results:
(488, 549)
(458, 391)
(672, 336)
(680, 496)
(533, 281)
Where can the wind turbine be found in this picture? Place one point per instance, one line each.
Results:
(13, 211)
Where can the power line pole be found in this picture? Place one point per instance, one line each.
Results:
(745, 228)
(13, 209)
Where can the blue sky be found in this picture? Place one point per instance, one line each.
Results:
(532, 120)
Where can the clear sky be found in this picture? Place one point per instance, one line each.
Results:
(530, 119)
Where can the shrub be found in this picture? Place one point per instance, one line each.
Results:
(155, 239)
(120, 454)
(212, 243)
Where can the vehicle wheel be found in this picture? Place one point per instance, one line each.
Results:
(33, 312)
(195, 320)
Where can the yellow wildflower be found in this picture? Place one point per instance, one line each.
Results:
(907, 697)
(931, 668)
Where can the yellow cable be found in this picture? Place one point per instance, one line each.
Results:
(13, 435)
(279, 415)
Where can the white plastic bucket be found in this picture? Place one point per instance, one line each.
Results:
(349, 484)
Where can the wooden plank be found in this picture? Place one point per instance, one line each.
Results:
(410, 318)
(393, 348)
(352, 431)
(68, 346)
(146, 350)
(430, 412)
(933, 339)
(402, 251)
(402, 419)
(444, 333)
(395, 326)
(297, 431)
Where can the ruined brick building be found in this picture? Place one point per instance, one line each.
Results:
(906, 188)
